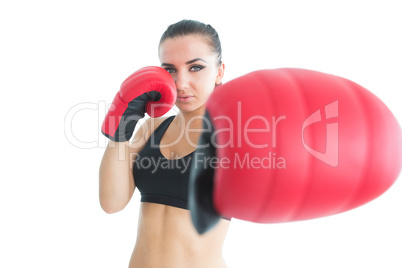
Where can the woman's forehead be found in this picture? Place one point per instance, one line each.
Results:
(183, 49)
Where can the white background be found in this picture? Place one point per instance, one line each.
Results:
(59, 57)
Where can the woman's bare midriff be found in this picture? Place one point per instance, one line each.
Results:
(166, 238)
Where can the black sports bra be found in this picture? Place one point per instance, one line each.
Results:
(161, 180)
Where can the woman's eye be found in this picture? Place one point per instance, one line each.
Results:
(196, 68)
(170, 70)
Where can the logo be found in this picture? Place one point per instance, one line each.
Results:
(330, 156)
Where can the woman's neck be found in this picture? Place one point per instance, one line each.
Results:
(191, 120)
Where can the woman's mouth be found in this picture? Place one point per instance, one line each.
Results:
(185, 98)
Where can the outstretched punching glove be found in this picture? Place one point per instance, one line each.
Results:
(291, 144)
(150, 89)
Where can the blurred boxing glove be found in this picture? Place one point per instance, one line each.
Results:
(150, 89)
(290, 145)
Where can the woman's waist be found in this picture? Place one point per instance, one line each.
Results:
(162, 226)
(165, 255)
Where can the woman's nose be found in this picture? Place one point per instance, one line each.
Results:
(182, 81)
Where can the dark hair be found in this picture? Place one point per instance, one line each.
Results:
(190, 27)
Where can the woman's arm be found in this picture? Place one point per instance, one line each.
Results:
(148, 84)
(116, 182)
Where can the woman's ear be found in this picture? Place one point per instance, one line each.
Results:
(221, 72)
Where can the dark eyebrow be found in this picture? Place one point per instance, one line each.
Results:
(188, 62)
(194, 60)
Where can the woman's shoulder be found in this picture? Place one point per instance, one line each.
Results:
(145, 129)
(152, 124)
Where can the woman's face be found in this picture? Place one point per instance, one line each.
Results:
(193, 66)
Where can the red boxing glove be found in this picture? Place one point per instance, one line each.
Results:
(290, 145)
(150, 89)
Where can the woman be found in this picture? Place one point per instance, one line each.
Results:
(190, 51)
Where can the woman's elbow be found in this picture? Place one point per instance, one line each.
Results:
(111, 207)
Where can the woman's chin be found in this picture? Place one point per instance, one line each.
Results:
(189, 108)
(185, 106)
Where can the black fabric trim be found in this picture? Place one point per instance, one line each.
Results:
(165, 200)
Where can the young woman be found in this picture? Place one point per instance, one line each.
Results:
(191, 52)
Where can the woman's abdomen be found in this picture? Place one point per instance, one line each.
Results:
(167, 238)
